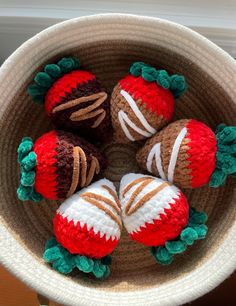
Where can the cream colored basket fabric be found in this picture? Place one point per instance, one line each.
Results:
(107, 45)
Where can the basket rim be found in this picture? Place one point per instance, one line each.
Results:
(206, 277)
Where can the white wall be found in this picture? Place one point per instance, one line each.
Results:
(21, 19)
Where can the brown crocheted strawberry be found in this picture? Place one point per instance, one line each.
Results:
(74, 99)
(189, 154)
(143, 102)
(58, 164)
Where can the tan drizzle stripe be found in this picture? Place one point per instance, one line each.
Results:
(139, 180)
(107, 211)
(88, 109)
(136, 192)
(113, 194)
(99, 120)
(94, 167)
(99, 197)
(83, 160)
(78, 101)
(146, 198)
(97, 112)
(76, 171)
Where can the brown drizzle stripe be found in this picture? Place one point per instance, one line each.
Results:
(128, 187)
(80, 160)
(99, 120)
(106, 210)
(88, 109)
(86, 116)
(101, 198)
(94, 167)
(76, 171)
(136, 192)
(72, 103)
(113, 194)
(146, 198)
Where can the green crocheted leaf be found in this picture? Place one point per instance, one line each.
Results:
(136, 68)
(178, 85)
(175, 83)
(197, 217)
(226, 155)
(24, 148)
(51, 72)
(163, 79)
(64, 262)
(27, 160)
(188, 235)
(175, 247)
(68, 64)
(84, 264)
(43, 79)
(27, 178)
(201, 231)
(162, 255)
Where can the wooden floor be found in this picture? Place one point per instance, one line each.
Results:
(15, 293)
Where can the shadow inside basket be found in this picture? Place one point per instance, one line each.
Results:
(31, 223)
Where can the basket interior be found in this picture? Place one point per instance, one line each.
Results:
(133, 266)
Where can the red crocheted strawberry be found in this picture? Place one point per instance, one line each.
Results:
(87, 227)
(188, 153)
(143, 102)
(156, 213)
(74, 99)
(58, 164)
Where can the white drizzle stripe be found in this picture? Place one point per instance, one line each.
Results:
(174, 154)
(124, 128)
(123, 118)
(155, 151)
(137, 112)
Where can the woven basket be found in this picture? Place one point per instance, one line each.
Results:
(107, 45)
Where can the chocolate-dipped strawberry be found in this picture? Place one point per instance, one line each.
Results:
(189, 154)
(74, 99)
(156, 214)
(58, 164)
(143, 102)
(87, 228)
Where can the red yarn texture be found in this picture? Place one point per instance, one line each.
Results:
(80, 240)
(168, 228)
(202, 152)
(65, 84)
(46, 176)
(156, 98)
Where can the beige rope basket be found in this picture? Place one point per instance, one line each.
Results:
(107, 45)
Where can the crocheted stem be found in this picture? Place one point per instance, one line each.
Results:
(65, 262)
(225, 156)
(27, 160)
(195, 230)
(175, 83)
(45, 79)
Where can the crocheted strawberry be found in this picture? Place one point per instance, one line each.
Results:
(143, 102)
(74, 99)
(58, 164)
(87, 228)
(188, 153)
(156, 214)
